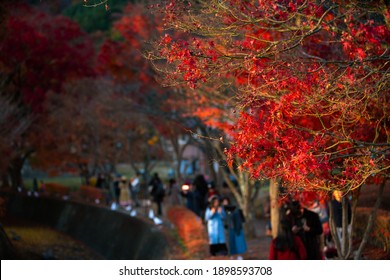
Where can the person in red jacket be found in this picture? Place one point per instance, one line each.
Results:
(287, 246)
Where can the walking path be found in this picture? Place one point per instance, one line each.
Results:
(258, 247)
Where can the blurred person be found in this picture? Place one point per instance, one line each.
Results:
(211, 191)
(35, 187)
(157, 192)
(101, 181)
(306, 224)
(201, 187)
(320, 207)
(174, 192)
(287, 245)
(234, 222)
(124, 196)
(192, 198)
(135, 184)
(116, 189)
(215, 216)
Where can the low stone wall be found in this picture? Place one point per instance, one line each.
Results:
(113, 234)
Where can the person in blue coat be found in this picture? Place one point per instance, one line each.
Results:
(235, 220)
(215, 216)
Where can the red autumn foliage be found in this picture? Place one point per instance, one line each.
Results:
(310, 80)
(191, 231)
(90, 136)
(40, 52)
(123, 62)
(91, 194)
(123, 58)
(57, 190)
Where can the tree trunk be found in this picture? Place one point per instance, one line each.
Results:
(179, 160)
(249, 217)
(345, 226)
(355, 198)
(274, 196)
(5, 181)
(178, 155)
(244, 202)
(178, 173)
(344, 245)
(371, 221)
(333, 230)
(15, 172)
(15, 168)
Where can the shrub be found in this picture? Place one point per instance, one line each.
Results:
(90, 193)
(190, 230)
(56, 189)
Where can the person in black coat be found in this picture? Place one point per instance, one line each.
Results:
(192, 198)
(307, 225)
(157, 192)
(201, 189)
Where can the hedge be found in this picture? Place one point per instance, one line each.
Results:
(191, 231)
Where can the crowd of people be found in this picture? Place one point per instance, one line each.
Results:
(305, 234)
(223, 220)
(298, 234)
(302, 233)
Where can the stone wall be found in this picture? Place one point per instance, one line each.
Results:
(113, 234)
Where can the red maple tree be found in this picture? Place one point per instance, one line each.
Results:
(122, 62)
(38, 53)
(310, 79)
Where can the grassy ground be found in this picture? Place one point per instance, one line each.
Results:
(72, 182)
(161, 168)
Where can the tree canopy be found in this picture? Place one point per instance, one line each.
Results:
(310, 80)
